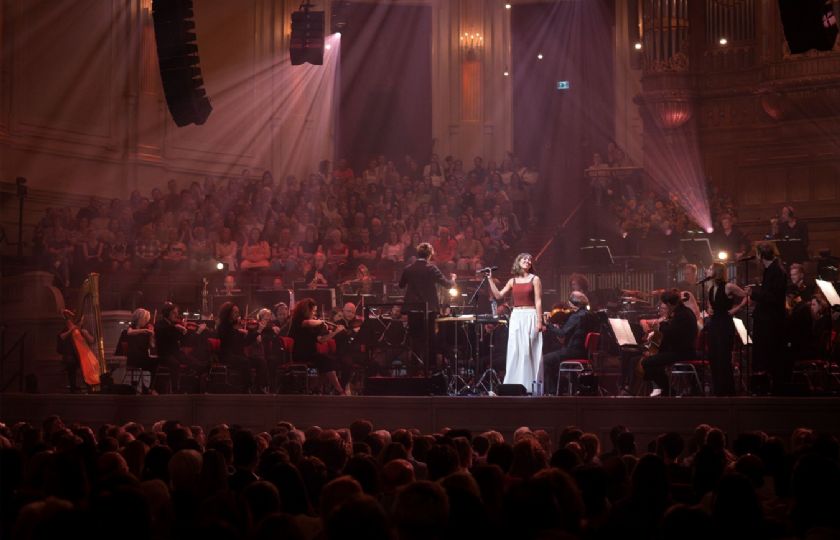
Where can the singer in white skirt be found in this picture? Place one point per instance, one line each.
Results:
(524, 350)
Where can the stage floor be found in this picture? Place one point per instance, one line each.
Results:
(647, 417)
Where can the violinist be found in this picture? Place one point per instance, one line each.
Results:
(799, 322)
(282, 319)
(800, 289)
(307, 331)
(347, 345)
(233, 338)
(573, 333)
(679, 334)
(268, 347)
(348, 318)
(169, 335)
(69, 354)
(140, 337)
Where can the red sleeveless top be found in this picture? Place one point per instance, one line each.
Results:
(523, 293)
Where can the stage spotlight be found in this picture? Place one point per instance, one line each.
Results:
(539, 56)
(723, 41)
(722, 255)
(710, 230)
(220, 266)
(506, 73)
(453, 292)
(637, 46)
(507, 6)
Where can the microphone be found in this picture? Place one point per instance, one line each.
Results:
(748, 258)
(486, 269)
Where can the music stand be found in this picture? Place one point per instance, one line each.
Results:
(697, 250)
(597, 255)
(271, 297)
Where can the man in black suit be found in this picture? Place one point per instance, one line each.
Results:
(573, 333)
(420, 280)
(679, 334)
(769, 320)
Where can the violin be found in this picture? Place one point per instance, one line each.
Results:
(560, 314)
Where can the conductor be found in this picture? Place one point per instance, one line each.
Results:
(419, 280)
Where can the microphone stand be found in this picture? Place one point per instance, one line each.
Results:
(492, 378)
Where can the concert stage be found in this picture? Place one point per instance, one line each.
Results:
(647, 417)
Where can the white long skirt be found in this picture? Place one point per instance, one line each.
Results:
(524, 351)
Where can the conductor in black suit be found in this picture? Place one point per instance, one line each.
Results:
(769, 320)
(420, 280)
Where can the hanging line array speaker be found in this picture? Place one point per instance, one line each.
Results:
(179, 62)
(307, 42)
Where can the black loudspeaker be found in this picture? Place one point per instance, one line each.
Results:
(179, 62)
(399, 386)
(512, 390)
(307, 43)
(808, 24)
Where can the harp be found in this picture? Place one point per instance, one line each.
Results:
(91, 358)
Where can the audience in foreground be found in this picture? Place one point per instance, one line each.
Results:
(177, 481)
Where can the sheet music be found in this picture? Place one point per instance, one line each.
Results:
(623, 333)
(742, 331)
(829, 291)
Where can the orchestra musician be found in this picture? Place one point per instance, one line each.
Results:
(320, 273)
(573, 333)
(347, 345)
(769, 320)
(169, 335)
(234, 338)
(308, 330)
(65, 347)
(140, 339)
(679, 334)
(800, 289)
(268, 346)
(725, 299)
(282, 318)
(420, 279)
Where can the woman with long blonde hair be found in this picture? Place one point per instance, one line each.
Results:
(524, 364)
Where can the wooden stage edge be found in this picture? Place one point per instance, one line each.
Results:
(647, 417)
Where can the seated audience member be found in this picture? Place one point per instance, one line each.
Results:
(363, 251)
(226, 249)
(119, 253)
(469, 251)
(255, 253)
(147, 249)
(445, 246)
(200, 249)
(174, 254)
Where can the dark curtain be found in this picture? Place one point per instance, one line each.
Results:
(557, 130)
(386, 89)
